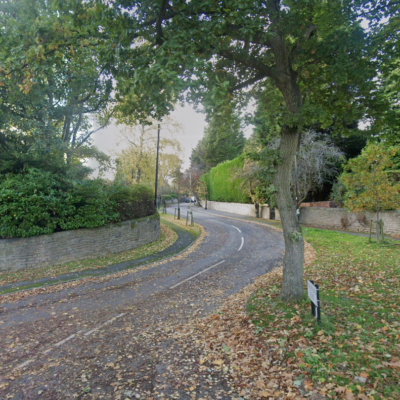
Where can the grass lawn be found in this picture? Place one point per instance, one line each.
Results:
(194, 230)
(355, 351)
(167, 238)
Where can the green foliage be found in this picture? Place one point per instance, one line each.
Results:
(223, 139)
(368, 185)
(338, 193)
(222, 185)
(51, 85)
(38, 202)
(132, 201)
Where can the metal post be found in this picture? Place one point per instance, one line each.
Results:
(179, 210)
(297, 197)
(158, 148)
(319, 305)
(206, 202)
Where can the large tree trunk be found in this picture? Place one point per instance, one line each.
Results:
(292, 285)
(286, 81)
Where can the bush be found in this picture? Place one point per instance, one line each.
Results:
(338, 193)
(221, 184)
(133, 201)
(38, 202)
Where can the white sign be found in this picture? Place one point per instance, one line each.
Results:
(312, 293)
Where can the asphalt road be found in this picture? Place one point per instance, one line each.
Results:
(114, 338)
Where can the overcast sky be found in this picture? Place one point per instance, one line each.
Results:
(109, 140)
(193, 124)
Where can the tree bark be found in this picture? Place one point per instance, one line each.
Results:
(286, 82)
(257, 209)
(292, 284)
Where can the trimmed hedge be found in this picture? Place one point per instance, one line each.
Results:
(222, 184)
(38, 202)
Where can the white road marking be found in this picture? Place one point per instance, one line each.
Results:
(237, 228)
(104, 324)
(24, 364)
(201, 272)
(240, 248)
(70, 338)
(113, 319)
(93, 330)
(64, 341)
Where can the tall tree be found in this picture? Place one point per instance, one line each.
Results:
(223, 139)
(137, 161)
(51, 84)
(238, 49)
(369, 185)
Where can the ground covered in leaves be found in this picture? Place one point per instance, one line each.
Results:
(277, 351)
(167, 238)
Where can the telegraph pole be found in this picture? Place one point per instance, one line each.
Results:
(158, 148)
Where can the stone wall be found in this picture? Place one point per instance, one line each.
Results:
(339, 218)
(62, 247)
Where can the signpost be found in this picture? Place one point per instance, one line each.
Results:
(313, 294)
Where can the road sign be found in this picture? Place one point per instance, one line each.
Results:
(313, 294)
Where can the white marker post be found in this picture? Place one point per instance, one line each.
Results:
(313, 294)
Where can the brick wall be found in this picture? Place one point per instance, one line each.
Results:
(339, 218)
(62, 247)
(329, 204)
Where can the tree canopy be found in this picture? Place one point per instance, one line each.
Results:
(209, 51)
(51, 85)
(223, 139)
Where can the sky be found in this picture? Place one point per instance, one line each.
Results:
(109, 141)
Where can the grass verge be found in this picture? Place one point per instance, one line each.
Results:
(355, 351)
(193, 230)
(167, 238)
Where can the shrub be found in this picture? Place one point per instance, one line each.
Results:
(38, 202)
(133, 201)
(222, 184)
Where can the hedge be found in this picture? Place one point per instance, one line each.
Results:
(38, 202)
(222, 185)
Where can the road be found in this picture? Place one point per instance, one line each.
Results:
(114, 338)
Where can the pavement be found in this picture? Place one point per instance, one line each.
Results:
(116, 336)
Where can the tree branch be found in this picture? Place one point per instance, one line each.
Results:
(94, 131)
(159, 32)
(249, 62)
(249, 82)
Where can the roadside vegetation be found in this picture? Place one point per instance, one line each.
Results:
(193, 230)
(35, 202)
(276, 349)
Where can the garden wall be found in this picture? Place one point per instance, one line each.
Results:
(339, 218)
(62, 247)
(236, 208)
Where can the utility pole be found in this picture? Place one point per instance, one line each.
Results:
(158, 148)
(191, 192)
(179, 210)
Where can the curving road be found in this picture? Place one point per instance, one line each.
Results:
(106, 339)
